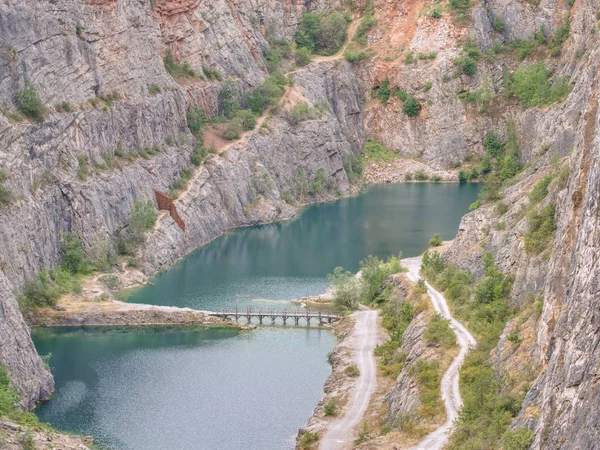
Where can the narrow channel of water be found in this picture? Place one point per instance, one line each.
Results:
(171, 389)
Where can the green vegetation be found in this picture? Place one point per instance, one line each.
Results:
(467, 62)
(321, 33)
(141, 219)
(5, 195)
(30, 104)
(347, 289)
(540, 190)
(488, 407)
(460, 10)
(353, 167)
(330, 408)
(373, 273)
(211, 74)
(300, 112)
(308, 440)
(383, 93)
(180, 183)
(428, 377)
(411, 107)
(247, 119)
(352, 371)
(196, 119)
(500, 163)
(518, 439)
(366, 24)
(397, 313)
(267, 93)
(439, 332)
(153, 90)
(9, 400)
(421, 176)
(498, 25)
(541, 227)
(531, 84)
(354, 55)
(278, 49)
(436, 240)
(177, 70)
(46, 288)
(302, 56)
(376, 152)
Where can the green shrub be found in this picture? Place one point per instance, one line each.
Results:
(347, 289)
(5, 196)
(176, 70)
(153, 90)
(353, 167)
(430, 55)
(436, 240)
(540, 190)
(362, 31)
(247, 119)
(300, 112)
(330, 408)
(531, 85)
(196, 119)
(427, 86)
(466, 64)
(383, 93)
(541, 227)
(211, 74)
(354, 56)
(421, 176)
(29, 103)
(233, 130)
(198, 155)
(278, 49)
(302, 56)
(308, 440)
(288, 197)
(498, 25)
(439, 332)
(39, 292)
(229, 98)
(141, 219)
(411, 107)
(73, 256)
(518, 439)
(321, 33)
(460, 9)
(352, 371)
(429, 378)
(523, 47)
(436, 178)
(266, 94)
(435, 14)
(501, 208)
(463, 176)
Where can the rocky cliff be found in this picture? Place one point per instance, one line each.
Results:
(115, 130)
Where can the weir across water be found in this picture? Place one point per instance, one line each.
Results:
(274, 315)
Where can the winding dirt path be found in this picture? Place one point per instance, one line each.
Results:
(340, 433)
(449, 388)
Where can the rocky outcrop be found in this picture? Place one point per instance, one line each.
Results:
(404, 397)
(17, 353)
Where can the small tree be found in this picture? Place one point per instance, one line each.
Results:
(302, 56)
(411, 107)
(435, 240)
(74, 259)
(29, 103)
(346, 288)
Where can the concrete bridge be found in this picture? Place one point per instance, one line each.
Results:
(307, 316)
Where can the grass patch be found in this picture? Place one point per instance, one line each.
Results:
(541, 228)
(376, 152)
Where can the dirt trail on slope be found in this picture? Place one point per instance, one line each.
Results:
(340, 433)
(449, 386)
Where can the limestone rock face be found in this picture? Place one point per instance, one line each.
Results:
(17, 354)
(404, 397)
(243, 186)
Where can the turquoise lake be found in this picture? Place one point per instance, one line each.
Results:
(191, 388)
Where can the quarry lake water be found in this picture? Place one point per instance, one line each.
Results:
(193, 388)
